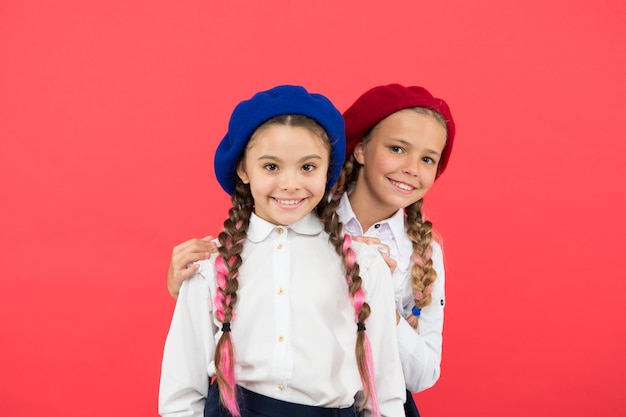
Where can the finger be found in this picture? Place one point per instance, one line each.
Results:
(183, 261)
(194, 244)
(212, 245)
(183, 245)
(391, 263)
(367, 239)
(188, 272)
(202, 245)
(383, 248)
(175, 279)
(198, 247)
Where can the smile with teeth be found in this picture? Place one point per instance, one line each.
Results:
(402, 186)
(288, 202)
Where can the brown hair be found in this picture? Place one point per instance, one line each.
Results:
(231, 245)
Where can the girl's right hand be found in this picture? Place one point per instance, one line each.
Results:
(182, 264)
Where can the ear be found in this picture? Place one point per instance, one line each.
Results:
(359, 152)
(241, 173)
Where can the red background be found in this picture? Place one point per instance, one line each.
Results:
(109, 115)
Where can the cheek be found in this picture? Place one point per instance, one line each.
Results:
(317, 184)
(260, 185)
(428, 178)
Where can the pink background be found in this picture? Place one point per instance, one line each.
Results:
(109, 115)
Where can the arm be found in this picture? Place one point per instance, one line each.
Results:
(381, 331)
(182, 264)
(188, 351)
(420, 350)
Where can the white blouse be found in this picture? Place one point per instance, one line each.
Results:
(420, 351)
(294, 331)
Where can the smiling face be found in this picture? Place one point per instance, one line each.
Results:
(286, 167)
(399, 158)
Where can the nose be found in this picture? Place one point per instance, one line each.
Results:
(289, 181)
(411, 167)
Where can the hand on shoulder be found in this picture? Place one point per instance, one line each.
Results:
(383, 248)
(184, 256)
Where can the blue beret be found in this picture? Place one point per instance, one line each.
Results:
(285, 99)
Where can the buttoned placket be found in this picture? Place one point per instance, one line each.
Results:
(283, 361)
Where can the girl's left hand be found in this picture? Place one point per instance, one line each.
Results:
(383, 248)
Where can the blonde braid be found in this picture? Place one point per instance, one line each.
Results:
(422, 272)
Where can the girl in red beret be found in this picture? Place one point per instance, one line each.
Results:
(398, 142)
(274, 323)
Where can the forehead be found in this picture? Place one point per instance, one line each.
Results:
(410, 125)
(282, 139)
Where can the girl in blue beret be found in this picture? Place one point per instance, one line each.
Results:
(274, 323)
(399, 140)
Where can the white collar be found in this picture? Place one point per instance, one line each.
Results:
(396, 223)
(260, 229)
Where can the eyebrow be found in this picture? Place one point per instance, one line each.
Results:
(433, 152)
(304, 158)
(410, 145)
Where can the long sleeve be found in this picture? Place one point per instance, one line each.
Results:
(420, 350)
(294, 331)
(188, 351)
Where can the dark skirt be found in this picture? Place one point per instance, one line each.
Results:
(252, 404)
(410, 408)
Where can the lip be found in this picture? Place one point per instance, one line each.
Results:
(402, 187)
(288, 203)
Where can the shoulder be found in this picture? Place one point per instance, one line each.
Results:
(366, 255)
(376, 278)
(371, 263)
(206, 272)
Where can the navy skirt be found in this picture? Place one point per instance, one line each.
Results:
(252, 404)
(410, 408)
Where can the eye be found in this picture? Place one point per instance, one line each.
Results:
(308, 167)
(270, 167)
(429, 160)
(396, 149)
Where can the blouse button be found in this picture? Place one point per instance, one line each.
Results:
(280, 339)
(281, 291)
(279, 230)
(280, 246)
(281, 387)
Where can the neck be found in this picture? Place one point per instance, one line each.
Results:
(368, 211)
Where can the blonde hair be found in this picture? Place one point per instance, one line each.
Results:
(419, 230)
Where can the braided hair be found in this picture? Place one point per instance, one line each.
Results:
(419, 230)
(229, 260)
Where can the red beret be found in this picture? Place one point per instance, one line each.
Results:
(379, 102)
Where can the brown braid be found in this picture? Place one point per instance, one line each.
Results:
(327, 212)
(231, 241)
